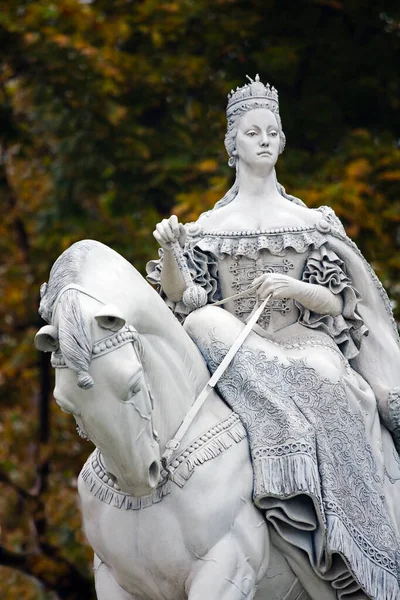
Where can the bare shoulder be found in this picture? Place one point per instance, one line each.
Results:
(216, 219)
(283, 213)
(309, 216)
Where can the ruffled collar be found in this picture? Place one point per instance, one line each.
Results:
(250, 243)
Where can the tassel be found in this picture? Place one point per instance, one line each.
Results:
(211, 449)
(119, 499)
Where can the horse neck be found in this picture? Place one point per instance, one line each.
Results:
(175, 373)
(174, 369)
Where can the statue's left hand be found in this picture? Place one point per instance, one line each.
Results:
(277, 284)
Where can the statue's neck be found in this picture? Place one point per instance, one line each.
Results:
(256, 187)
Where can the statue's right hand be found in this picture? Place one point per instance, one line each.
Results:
(168, 231)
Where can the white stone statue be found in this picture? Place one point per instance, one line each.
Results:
(129, 373)
(315, 386)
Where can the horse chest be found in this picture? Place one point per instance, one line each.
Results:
(145, 548)
(153, 551)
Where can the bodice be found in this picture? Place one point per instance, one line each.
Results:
(237, 274)
(244, 255)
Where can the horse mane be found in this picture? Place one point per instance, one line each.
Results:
(74, 335)
(65, 270)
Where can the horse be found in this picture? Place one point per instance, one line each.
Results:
(128, 372)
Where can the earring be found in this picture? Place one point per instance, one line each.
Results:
(233, 158)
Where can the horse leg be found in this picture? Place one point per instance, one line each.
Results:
(224, 573)
(106, 586)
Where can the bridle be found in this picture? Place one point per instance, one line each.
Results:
(127, 334)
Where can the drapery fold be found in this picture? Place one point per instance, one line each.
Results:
(325, 268)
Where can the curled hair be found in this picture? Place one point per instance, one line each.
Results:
(74, 337)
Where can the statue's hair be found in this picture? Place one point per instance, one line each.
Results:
(74, 334)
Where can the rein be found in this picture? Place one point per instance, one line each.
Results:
(195, 297)
(175, 442)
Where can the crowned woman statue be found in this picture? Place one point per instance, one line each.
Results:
(317, 382)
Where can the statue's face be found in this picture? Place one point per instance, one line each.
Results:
(257, 140)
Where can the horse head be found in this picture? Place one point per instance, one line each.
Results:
(96, 354)
(115, 347)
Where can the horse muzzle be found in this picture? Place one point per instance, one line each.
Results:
(143, 485)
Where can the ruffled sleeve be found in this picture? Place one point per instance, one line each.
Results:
(203, 268)
(324, 267)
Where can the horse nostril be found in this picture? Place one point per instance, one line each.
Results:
(154, 473)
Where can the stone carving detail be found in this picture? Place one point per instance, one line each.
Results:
(251, 243)
(270, 397)
(244, 271)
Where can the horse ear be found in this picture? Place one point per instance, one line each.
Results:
(110, 317)
(46, 339)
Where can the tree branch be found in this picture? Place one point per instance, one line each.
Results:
(19, 490)
(14, 560)
(12, 203)
(52, 570)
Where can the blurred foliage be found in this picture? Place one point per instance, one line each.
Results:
(112, 116)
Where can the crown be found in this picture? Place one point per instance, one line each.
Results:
(255, 90)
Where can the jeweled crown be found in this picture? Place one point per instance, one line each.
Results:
(255, 90)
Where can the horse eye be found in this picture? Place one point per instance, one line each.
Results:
(109, 317)
(110, 322)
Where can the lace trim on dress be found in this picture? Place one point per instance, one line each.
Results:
(249, 243)
(325, 268)
(307, 444)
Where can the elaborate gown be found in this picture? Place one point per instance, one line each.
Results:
(317, 395)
